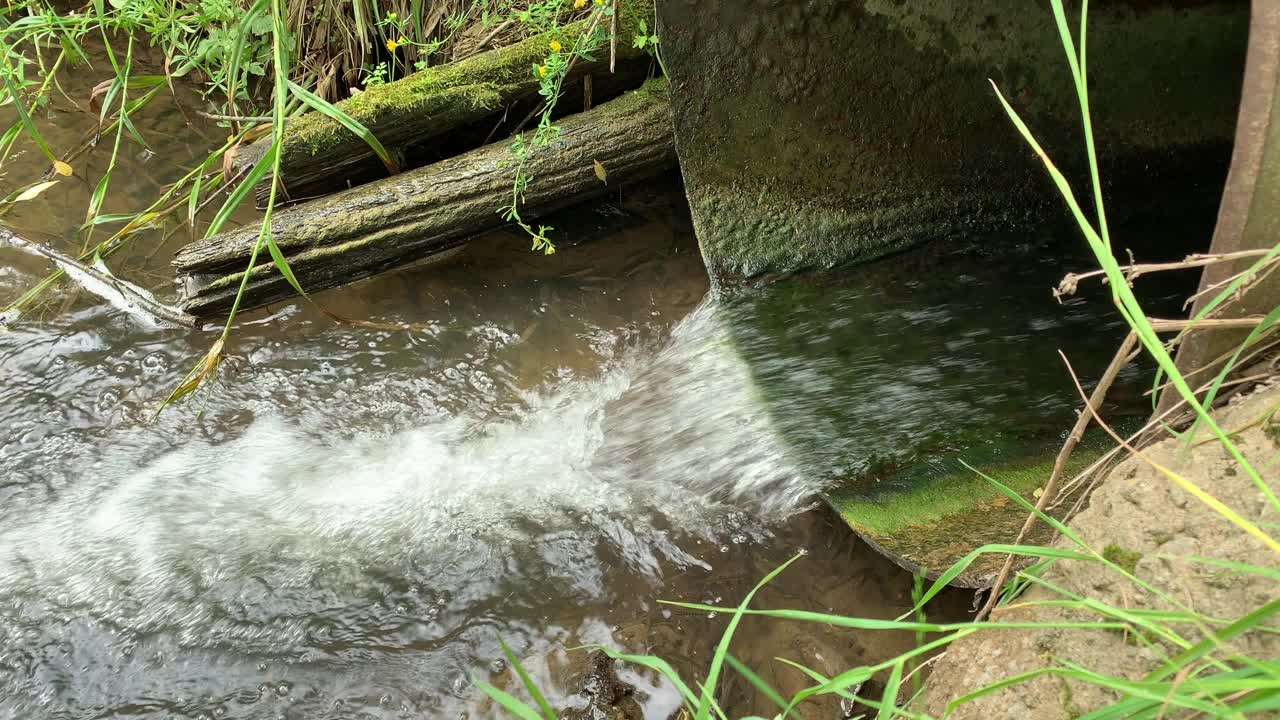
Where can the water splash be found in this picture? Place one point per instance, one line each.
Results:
(662, 441)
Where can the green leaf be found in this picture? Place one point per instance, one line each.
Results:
(889, 701)
(534, 692)
(757, 682)
(281, 263)
(24, 118)
(508, 703)
(703, 711)
(237, 196)
(333, 111)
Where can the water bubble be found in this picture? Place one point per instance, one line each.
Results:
(282, 689)
(120, 369)
(155, 363)
(59, 361)
(498, 666)
(262, 667)
(108, 399)
(384, 700)
(724, 548)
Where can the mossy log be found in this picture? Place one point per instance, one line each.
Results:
(320, 156)
(335, 240)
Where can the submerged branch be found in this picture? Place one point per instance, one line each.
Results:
(122, 294)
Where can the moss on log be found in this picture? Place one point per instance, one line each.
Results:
(319, 154)
(366, 230)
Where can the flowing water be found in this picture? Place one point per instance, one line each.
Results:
(346, 523)
(349, 519)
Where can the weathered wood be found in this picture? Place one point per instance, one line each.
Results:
(368, 229)
(319, 155)
(1249, 215)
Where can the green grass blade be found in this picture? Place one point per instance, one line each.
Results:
(1244, 568)
(1248, 622)
(354, 126)
(528, 683)
(24, 118)
(658, 665)
(757, 682)
(889, 701)
(508, 703)
(238, 195)
(703, 710)
(994, 687)
(1124, 298)
(282, 265)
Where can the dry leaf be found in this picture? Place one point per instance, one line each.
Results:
(98, 91)
(600, 173)
(62, 168)
(35, 190)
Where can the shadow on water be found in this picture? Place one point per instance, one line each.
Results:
(884, 379)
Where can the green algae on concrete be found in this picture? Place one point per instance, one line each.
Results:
(930, 515)
(814, 134)
(880, 379)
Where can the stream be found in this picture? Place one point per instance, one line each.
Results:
(348, 520)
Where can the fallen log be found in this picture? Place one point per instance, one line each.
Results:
(320, 156)
(344, 237)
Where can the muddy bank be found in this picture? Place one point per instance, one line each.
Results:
(1140, 519)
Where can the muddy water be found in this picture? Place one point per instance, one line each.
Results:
(348, 520)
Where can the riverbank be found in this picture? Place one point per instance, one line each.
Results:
(1141, 521)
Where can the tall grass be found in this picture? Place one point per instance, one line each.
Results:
(1198, 675)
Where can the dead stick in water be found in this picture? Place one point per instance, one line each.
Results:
(1122, 358)
(122, 294)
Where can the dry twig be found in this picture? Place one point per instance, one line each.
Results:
(1071, 281)
(1123, 356)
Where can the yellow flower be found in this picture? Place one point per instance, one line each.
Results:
(599, 2)
(542, 71)
(555, 46)
(579, 4)
(392, 45)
